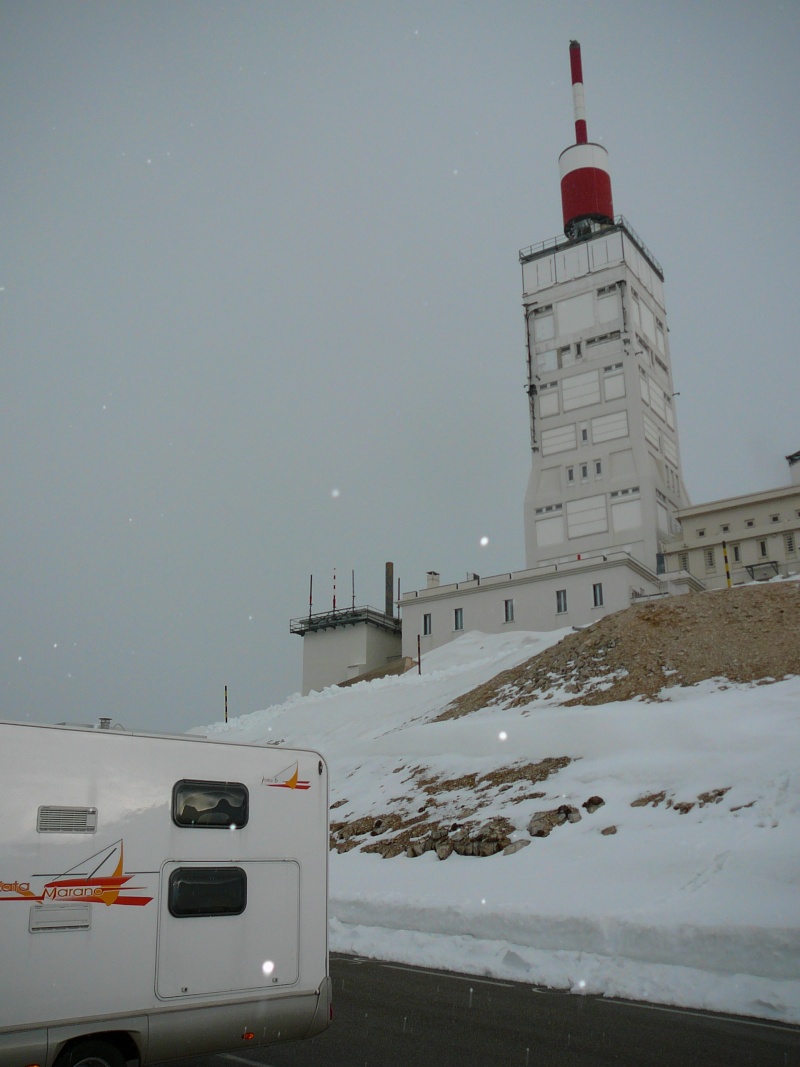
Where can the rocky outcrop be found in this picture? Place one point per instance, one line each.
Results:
(486, 840)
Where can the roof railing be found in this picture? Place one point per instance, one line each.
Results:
(553, 244)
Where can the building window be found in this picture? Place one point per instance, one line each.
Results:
(598, 468)
(597, 594)
(570, 475)
(737, 553)
(584, 472)
(701, 533)
(584, 432)
(683, 561)
(508, 610)
(458, 619)
(561, 601)
(774, 518)
(750, 523)
(725, 528)
(762, 549)
(790, 544)
(427, 625)
(711, 563)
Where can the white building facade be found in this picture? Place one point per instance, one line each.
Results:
(605, 472)
(741, 539)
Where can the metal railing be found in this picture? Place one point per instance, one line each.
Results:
(553, 244)
(324, 620)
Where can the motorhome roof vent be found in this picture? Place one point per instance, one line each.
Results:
(58, 820)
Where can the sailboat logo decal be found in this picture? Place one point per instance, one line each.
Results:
(288, 778)
(98, 879)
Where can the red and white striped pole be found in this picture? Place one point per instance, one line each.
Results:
(578, 97)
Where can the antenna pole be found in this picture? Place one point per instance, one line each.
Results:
(578, 98)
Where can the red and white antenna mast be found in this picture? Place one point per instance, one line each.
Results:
(585, 177)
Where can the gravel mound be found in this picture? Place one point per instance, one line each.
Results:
(746, 634)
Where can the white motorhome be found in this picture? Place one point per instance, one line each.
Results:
(160, 896)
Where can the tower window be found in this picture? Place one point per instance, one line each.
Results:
(561, 601)
(458, 619)
(597, 594)
(427, 625)
(508, 610)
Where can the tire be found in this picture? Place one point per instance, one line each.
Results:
(91, 1053)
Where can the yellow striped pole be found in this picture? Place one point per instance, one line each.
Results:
(727, 566)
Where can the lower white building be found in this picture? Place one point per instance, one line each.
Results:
(573, 593)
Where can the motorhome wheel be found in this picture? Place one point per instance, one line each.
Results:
(91, 1054)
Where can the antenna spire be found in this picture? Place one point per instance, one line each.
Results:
(585, 179)
(578, 98)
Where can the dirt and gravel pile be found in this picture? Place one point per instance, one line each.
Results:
(747, 634)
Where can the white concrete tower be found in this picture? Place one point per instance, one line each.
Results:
(606, 472)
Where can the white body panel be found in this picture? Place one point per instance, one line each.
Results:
(85, 909)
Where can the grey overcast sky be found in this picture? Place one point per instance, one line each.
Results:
(261, 311)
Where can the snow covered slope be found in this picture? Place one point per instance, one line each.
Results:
(683, 887)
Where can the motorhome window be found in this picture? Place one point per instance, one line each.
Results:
(205, 891)
(220, 805)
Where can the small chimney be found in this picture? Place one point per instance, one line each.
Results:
(433, 579)
(389, 609)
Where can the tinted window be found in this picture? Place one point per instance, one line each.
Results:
(215, 804)
(195, 891)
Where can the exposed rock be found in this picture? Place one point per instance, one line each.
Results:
(592, 804)
(649, 798)
(608, 830)
(570, 813)
(516, 846)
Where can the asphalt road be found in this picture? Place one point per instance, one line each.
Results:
(391, 1015)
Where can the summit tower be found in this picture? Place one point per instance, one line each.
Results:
(606, 470)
